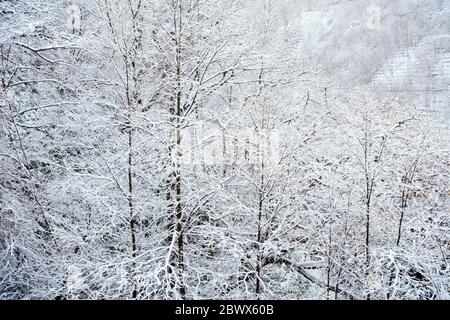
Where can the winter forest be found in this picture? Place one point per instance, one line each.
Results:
(224, 149)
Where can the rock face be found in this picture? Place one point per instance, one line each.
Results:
(399, 48)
